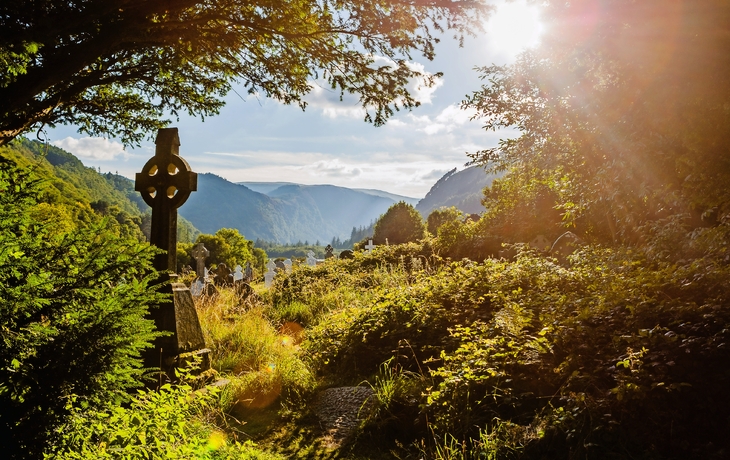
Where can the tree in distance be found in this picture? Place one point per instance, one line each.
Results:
(440, 216)
(117, 68)
(401, 223)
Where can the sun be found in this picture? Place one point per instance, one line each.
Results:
(513, 27)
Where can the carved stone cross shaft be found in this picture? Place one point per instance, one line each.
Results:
(166, 182)
(200, 253)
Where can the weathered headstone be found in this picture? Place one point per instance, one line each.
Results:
(280, 267)
(165, 183)
(238, 274)
(329, 251)
(287, 265)
(370, 246)
(196, 287)
(223, 276)
(206, 274)
(200, 253)
(248, 274)
(311, 260)
(347, 254)
(565, 245)
(269, 275)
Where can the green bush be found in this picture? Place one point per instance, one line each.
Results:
(166, 424)
(72, 317)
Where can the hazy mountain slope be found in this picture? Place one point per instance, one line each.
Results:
(340, 208)
(396, 198)
(462, 189)
(264, 187)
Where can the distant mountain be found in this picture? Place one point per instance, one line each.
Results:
(392, 196)
(462, 189)
(287, 214)
(264, 187)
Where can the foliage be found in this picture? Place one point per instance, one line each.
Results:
(117, 68)
(532, 358)
(440, 216)
(72, 318)
(169, 423)
(226, 246)
(620, 118)
(401, 223)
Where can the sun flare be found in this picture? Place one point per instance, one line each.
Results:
(513, 27)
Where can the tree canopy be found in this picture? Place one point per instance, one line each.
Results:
(401, 223)
(117, 68)
(623, 117)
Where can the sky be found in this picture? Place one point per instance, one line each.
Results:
(262, 140)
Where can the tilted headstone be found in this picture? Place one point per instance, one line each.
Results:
(165, 183)
(329, 251)
(269, 275)
(370, 246)
(248, 274)
(280, 266)
(287, 265)
(311, 260)
(200, 253)
(196, 288)
(238, 274)
(347, 254)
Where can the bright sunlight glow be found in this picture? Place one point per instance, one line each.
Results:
(513, 27)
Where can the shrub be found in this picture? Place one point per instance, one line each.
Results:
(72, 316)
(401, 223)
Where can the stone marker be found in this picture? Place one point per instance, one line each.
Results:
(269, 275)
(287, 265)
(329, 251)
(200, 253)
(223, 275)
(196, 288)
(370, 246)
(238, 274)
(311, 260)
(565, 245)
(347, 254)
(206, 274)
(248, 274)
(280, 266)
(165, 183)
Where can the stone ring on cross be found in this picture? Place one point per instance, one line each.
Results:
(168, 175)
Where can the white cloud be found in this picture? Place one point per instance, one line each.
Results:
(332, 168)
(92, 148)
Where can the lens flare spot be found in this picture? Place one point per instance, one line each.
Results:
(216, 440)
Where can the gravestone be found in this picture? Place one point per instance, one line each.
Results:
(311, 260)
(269, 275)
(196, 288)
(370, 246)
(347, 254)
(200, 253)
(287, 265)
(248, 274)
(565, 245)
(238, 274)
(206, 274)
(223, 275)
(329, 251)
(165, 183)
(280, 266)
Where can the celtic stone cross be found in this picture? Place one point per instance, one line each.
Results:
(166, 182)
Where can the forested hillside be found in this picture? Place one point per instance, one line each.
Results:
(73, 192)
(461, 189)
